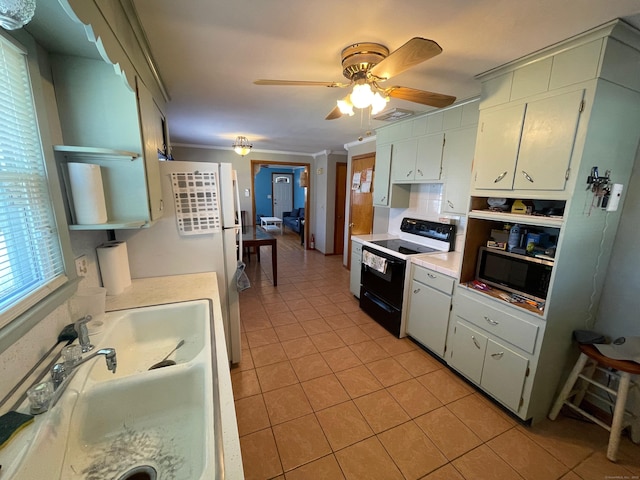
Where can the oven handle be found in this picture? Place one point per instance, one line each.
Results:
(378, 302)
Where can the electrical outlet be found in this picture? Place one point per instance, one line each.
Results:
(82, 266)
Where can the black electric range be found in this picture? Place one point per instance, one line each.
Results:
(384, 266)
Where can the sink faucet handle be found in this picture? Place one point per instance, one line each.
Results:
(83, 333)
(58, 374)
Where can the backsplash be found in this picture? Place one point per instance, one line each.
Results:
(425, 202)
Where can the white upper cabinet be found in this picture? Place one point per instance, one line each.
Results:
(381, 176)
(456, 168)
(527, 146)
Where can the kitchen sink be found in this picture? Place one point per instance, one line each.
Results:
(164, 421)
(158, 421)
(144, 336)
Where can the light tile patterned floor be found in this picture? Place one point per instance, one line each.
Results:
(323, 392)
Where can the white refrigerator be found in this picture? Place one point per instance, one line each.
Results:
(198, 232)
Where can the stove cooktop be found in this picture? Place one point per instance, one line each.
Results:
(404, 247)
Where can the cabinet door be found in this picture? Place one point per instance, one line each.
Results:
(403, 164)
(497, 147)
(429, 157)
(548, 136)
(467, 352)
(151, 124)
(457, 159)
(504, 374)
(428, 317)
(381, 176)
(356, 265)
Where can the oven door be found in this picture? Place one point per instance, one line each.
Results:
(388, 286)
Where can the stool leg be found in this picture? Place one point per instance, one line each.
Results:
(568, 385)
(618, 416)
(587, 372)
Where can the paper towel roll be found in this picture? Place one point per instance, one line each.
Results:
(88, 193)
(114, 266)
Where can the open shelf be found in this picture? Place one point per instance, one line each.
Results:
(115, 225)
(507, 217)
(78, 151)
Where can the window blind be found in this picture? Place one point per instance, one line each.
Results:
(31, 263)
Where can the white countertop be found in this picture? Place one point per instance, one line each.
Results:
(179, 288)
(447, 263)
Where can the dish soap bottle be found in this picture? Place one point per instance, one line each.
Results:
(514, 237)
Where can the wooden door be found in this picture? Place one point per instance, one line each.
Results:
(341, 202)
(361, 209)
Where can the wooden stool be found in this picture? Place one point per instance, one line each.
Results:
(589, 361)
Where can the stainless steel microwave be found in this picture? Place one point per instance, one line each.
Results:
(515, 273)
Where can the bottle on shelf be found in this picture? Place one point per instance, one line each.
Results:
(514, 237)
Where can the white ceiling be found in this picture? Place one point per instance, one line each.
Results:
(209, 52)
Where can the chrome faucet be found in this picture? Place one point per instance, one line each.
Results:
(83, 333)
(61, 373)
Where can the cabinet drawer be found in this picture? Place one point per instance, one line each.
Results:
(514, 330)
(433, 279)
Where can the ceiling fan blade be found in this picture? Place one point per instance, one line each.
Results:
(415, 51)
(333, 114)
(420, 96)
(300, 83)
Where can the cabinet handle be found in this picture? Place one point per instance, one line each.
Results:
(420, 172)
(475, 342)
(383, 199)
(497, 355)
(449, 203)
(417, 290)
(491, 322)
(527, 176)
(409, 174)
(431, 275)
(161, 205)
(500, 177)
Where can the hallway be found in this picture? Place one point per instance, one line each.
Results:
(324, 392)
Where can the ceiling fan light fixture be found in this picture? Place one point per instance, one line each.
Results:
(242, 146)
(361, 96)
(345, 106)
(378, 103)
(15, 14)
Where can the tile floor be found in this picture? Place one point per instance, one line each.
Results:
(323, 392)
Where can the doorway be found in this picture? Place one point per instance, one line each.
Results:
(361, 208)
(300, 178)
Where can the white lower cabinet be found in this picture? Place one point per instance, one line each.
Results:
(500, 371)
(429, 307)
(356, 267)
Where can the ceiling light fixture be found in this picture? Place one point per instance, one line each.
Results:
(16, 14)
(242, 146)
(363, 96)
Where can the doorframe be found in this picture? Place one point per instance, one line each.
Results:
(255, 168)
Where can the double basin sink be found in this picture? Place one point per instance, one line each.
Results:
(136, 423)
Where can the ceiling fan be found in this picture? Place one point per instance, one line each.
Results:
(366, 65)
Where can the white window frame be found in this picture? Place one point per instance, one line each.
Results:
(21, 315)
